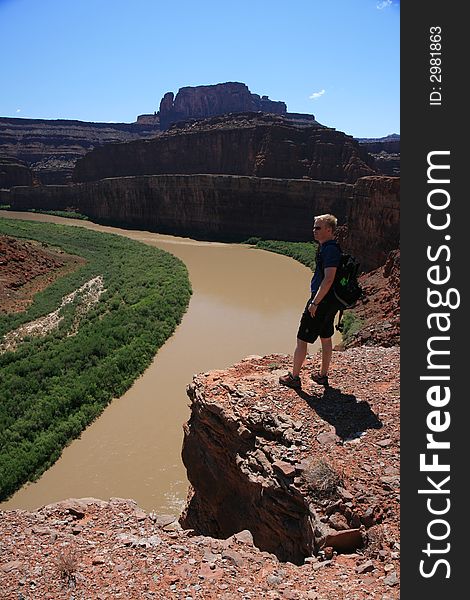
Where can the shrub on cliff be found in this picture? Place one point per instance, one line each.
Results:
(351, 325)
(52, 387)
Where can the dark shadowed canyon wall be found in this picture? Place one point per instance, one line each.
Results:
(234, 208)
(14, 172)
(244, 144)
(373, 219)
(51, 147)
(386, 153)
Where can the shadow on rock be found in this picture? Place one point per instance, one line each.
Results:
(349, 416)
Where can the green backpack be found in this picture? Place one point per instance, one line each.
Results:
(346, 288)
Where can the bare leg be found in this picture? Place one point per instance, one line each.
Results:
(300, 353)
(326, 354)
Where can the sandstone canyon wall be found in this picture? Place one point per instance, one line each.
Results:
(373, 220)
(51, 147)
(14, 172)
(385, 152)
(233, 208)
(244, 144)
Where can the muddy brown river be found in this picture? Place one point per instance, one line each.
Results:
(244, 302)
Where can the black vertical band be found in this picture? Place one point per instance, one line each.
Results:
(434, 244)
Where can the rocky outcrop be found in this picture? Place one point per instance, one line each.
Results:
(231, 208)
(91, 548)
(270, 456)
(51, 147)
(302, 471)
(379, 311)
(205, 101)
(210, 100)
(28, 267)
(244, 144)
(14, 172)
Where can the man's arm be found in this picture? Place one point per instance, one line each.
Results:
(324, 288)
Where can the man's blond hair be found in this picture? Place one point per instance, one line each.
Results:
(330, 220)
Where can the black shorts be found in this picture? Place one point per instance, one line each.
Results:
(321, 325)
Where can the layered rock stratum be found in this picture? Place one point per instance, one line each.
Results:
(290, 466)
(250, 144)
(385, 152)
(50, 147)
(14, 172)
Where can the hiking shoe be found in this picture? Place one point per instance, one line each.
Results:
(320, 379)
(290, 381)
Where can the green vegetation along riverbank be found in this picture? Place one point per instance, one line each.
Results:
(52, 386)
(304, 252)
(68, 214)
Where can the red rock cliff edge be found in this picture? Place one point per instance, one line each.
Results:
(313, 475)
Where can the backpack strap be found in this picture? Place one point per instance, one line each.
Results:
(339, 324)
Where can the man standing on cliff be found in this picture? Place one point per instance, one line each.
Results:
(319, 314)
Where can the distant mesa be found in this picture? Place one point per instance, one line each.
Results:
(204, 101)
(211, 100)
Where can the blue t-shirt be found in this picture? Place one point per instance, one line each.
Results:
(329, 255)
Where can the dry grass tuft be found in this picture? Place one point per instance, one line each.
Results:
(323, 481)
(66, 564)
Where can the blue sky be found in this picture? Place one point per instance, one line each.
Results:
(111, 60)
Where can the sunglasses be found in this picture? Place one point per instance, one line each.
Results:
(316, 228)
